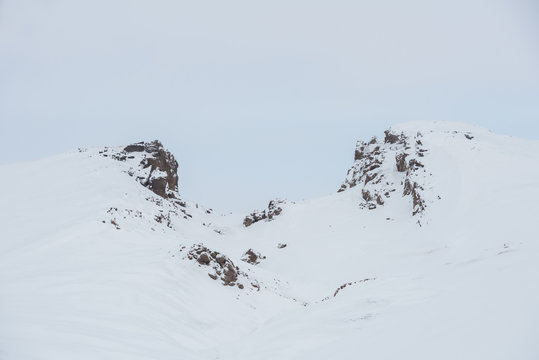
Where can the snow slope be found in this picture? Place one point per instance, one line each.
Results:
(88, 272)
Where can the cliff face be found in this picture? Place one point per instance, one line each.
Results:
(152, 165)
(163, 168)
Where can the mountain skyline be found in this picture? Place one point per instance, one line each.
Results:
(244, 93)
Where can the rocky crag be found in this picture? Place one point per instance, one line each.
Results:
(156, 169)
(388, 167)
(152, 166)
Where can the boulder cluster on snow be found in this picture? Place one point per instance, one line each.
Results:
(221, 267)
(381, 167)
(274, 209)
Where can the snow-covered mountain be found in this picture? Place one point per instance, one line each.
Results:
(429, 250)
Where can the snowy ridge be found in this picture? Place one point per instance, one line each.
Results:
(394, 167)
(95, 264)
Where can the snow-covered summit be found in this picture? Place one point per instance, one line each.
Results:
(411, 162)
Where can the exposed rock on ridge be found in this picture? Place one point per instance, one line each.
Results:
(382, 168)
(163, 168)
(153, 166)
(274, 209)
(156, 169)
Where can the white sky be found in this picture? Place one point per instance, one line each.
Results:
(259, 99)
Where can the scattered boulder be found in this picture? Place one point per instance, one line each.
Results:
(204, 259)
(252, 257)
(281, 246)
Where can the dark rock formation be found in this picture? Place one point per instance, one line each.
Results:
(401, 162)
(366, 195)
(390, 137)
(204, 259)
(163, 176)
(221, 267)
(413, 189)
(272, 211)
(370, 171)
(138, 147)
(153, 166)
(350, 284)
(252, 257)
(359, 154)
(254, 217)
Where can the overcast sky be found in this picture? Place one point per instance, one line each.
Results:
(259, 99)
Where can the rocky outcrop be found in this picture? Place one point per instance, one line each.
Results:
(150, 164)
(252, 257)
(400, 160)
(382, 167)
(162, 177)
(153, 166)
(391, 138)
(254, 217)
(221, 267)
(274, 209)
